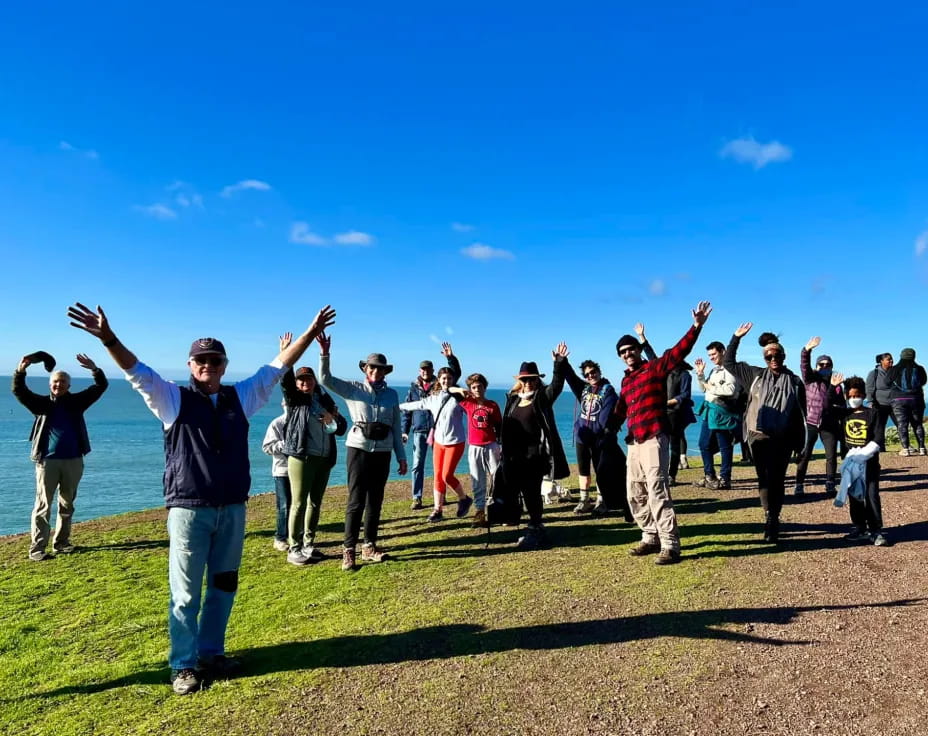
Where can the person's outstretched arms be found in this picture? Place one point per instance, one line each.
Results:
(289, 355)
(646, 346)
(453, 363)
(90, 394)
(553, 389)
(97, 324)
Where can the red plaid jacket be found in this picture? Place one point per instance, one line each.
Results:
(643, 398)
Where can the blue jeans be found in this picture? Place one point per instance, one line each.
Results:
(282, 491)
(420, 451)
(724, 439)
(210, 540)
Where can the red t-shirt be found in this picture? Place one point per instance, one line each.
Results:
(483, 420)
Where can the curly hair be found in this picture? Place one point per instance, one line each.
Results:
(768, 338)
(855, 382)
(589, 364)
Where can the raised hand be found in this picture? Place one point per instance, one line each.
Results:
(701, 313)
(744, 329)
(325, 343)
(324, 318)
(446, 349)
(285, 340)
(639, 330)
(560, 351)
(96, 323)
(23, 364)
(700, 365)
(813, 343)
(837, 379)
(86, 362)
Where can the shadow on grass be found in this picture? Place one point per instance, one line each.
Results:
(460, 640)
(126, 546)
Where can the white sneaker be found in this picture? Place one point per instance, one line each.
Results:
(684, 463)
(281, 546)
(906, 452)
(296, 557)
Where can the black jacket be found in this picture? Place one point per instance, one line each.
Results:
(296, 431)
(42, 406)
(543, 404)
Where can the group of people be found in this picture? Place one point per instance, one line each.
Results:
(512, 449)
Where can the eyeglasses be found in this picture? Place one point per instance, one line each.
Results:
(590, 374)
(625, 351)
(824, 365)
(774, 356)
(529, 379)
(211, 360)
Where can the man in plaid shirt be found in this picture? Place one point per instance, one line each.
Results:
(642, 403)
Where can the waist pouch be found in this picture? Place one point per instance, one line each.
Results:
(374, 430)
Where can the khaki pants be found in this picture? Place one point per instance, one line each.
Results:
(52, 475)
(649, 492)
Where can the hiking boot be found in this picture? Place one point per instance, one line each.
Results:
(480, 519)
(464, 506)
(65, 549)
(372, 553)
(185, 681)
(880, 540)
(667, 557)
(600, 510)
(348, 560)
(709, 482)
(296, 557)
(857, 535)
(313, 553)
(724, 484)
(219, 667)
(644, 548)
(584, 507)
(771, 528)
(417, 505)
(40, 555)
(534, 538)
(281, 545)
(436, 516)
(799, 490)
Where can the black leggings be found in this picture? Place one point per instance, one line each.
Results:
(367, 478)
(771, 458)
(524, 477)
(829, 435)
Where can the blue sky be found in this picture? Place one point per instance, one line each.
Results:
(502, 176)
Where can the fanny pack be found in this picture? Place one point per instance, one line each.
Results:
(374, 430)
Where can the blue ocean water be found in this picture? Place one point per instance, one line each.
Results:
(123, 471)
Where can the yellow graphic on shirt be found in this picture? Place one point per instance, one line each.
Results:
(855, 432)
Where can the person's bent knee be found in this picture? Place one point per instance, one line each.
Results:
(227, 582)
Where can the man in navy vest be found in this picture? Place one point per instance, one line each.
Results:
(206, 483)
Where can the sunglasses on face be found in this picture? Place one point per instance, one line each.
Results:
(211, 360)
(774, 356)
(529, 379)
(626, 351)
(590, 374)
(824, 365)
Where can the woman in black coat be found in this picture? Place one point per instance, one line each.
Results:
(530, 443)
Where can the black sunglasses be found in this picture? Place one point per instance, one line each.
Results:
(774, 356)
(212, 360)
(590, 374)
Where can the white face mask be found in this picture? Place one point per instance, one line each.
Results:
(855, 403)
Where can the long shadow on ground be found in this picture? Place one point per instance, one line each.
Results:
(457, 640)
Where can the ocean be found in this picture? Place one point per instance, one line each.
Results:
(123, 471)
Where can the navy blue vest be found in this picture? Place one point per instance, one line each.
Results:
(206, 451)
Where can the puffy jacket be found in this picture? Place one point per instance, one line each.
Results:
(821, 397)
(297, 436)
(42, 406)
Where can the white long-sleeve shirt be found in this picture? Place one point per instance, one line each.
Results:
(720, 384)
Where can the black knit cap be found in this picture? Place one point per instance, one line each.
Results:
(625, 341)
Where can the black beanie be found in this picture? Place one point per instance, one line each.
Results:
(627, 340)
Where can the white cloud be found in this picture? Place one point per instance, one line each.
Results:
(657, 287)
(461, 227)
(184, 194)
(65, 146)
(436, 339)
(353, 237)
(749, 151)
(300, 233)
(89, 153)
(921, 244)
(482, 252)
(158, 211)
(256, 184)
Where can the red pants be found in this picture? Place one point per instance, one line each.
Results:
(445, 459)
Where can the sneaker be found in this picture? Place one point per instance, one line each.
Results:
(66, 549)
(417, 505)
(39, 555)
(436, 516)
(709, 482)
(880, 540)
(724, 484)
(185, 681)
(480, 519)
(464, 506)
(923, 451)
(905, 452)
(667, 557)
(372, 553)
(348, 560)
(533, 538)
(644, 548)
(313, 553)
(584, 507)
(799, 490)
(281, 545)
(600, 510)
(296, 557)
(857, 535)
(219, 667)
(684, 463)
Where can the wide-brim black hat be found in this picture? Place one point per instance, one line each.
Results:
(529, 369)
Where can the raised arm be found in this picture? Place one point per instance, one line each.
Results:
(646, 346)
(453, 363)
(576, 383)
(805, 360)
(325, 317)
(98, 325)
(553, 389)
(345, 389)
(90, 394)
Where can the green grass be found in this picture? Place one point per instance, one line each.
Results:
(84, 637)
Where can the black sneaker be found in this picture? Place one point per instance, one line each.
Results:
(435, 516)
(220, 667)
(185, 681)
(464, 506)
(417, 505)
(600, 510)
(724, 484)
(857, 535)
(535, 537)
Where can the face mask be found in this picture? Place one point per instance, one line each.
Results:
(824, 372)
(526, 395)
(855, 403)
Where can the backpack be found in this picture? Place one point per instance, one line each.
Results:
(908, 381)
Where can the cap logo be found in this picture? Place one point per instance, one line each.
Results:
(205, 343)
